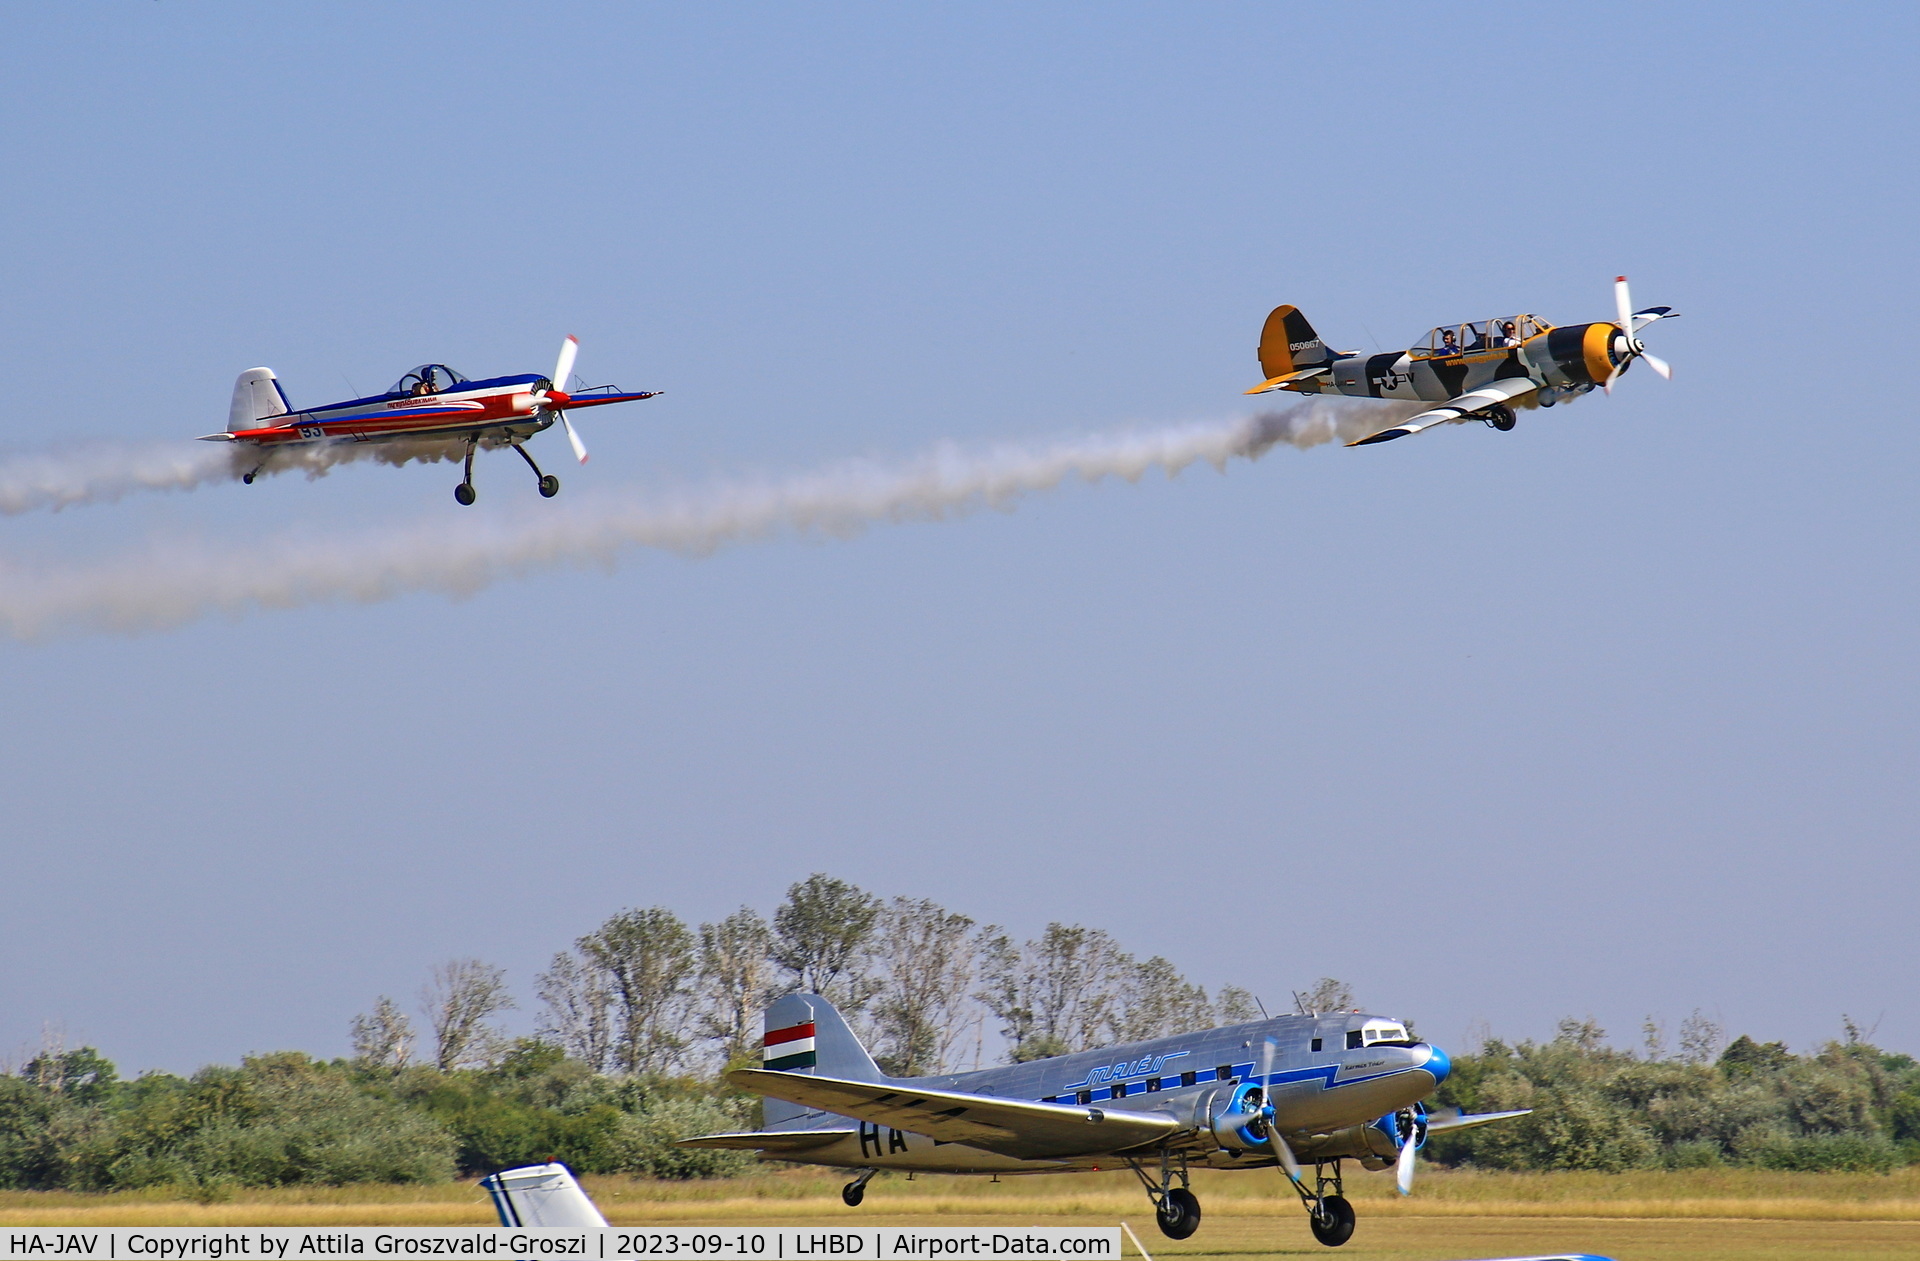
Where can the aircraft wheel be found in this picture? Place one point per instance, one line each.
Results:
(1502, 418)
(1179, 1213)
(247, 478)
(463, 493)
(1337, 1226)
(853, 1193)
(549, 486)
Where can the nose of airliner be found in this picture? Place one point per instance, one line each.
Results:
(1438, 1064)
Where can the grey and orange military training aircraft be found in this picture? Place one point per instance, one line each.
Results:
(1279, 1093)
(1477, 371)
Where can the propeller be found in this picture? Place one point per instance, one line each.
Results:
(1281, 1152)
(553, 399)
(1412, 1129)
(1636, 349)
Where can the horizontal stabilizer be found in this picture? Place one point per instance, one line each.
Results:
(1011, 1127)
(1466, 1121)
(769, 1140)
(1282, 382)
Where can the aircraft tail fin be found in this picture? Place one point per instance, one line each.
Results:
(257, 396)
(1288, 344)
(541, 1195)
(806, 1034)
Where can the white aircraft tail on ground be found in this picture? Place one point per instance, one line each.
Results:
(541, 1195)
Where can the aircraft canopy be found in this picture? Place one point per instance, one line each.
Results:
(428, 378)
(1450, 339)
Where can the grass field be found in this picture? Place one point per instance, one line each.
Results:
(1703, 1214)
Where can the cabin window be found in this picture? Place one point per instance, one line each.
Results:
(1085, 1096)
(1119, 1090)
(1316, 1044)
(1187, 1079)
(1353, 1039)
(1153, 1084)
(1223, 1073)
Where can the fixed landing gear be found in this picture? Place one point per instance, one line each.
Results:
(549, 484)
(856, 1191)
(463, 494)
(1501, 417)
(1176, 1209)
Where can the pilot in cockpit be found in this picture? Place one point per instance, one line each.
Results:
(424, 385)
(1448, 344)
(1508, 336)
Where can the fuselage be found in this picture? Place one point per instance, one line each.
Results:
(1563, 362)
(500, 410)
(1333, 1079)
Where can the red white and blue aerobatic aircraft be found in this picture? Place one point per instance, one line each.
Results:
(432, 409)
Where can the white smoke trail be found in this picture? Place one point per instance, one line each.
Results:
(168, 586)
(102, 472)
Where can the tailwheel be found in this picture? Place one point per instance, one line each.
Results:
(1178, 1213)
(464, 494)
(549, 486)
(1332, 1221)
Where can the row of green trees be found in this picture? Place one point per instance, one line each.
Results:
(928, 989)
(639, 1018)
(68, 1121)
(1847, 1106)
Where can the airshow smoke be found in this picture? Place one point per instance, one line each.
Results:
(104, 472)
(456, 554)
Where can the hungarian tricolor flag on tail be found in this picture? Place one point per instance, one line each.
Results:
(788, 1048)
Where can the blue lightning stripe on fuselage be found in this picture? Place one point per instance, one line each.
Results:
(1241, 1072)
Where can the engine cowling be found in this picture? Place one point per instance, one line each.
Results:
(1376, 1144)
(1237, 1123)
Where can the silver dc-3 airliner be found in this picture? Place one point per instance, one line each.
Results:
(1281, 1093)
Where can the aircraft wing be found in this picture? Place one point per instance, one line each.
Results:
(576, 401)
(1011, 1127)
(769, 1140)
(1454, 410)
(1466, 1121)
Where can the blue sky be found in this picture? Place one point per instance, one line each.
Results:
(1610, 715)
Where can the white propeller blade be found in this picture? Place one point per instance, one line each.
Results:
(564, 369)
(1403, 1168)
(1658, 365)
(1624, 302)
(1282, 1152)
(579, 447)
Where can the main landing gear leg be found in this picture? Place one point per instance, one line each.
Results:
(1329, 1215)
(1500, 416)
(856, 1190)
(549, 484)
(463, 493)
(1175, 1209)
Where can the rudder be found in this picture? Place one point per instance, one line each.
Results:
(806, 1034)
(257, 396)
(1289, 344)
